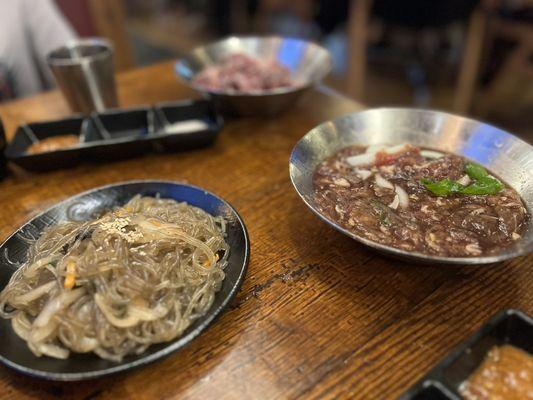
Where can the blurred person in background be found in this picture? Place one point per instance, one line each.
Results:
(29, 30)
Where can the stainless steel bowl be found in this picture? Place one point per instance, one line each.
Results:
(502, 153)
(307, 61)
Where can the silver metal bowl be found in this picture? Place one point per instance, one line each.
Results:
(500, 152)
(307, 61)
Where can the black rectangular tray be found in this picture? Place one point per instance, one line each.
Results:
(28, 134)
(119, 133)
(442, 382)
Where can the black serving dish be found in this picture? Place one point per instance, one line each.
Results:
(119, 133)
(28, 134)
(442, 382)
(14, 352)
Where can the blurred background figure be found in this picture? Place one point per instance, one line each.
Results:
(29, 29)
(467, 56)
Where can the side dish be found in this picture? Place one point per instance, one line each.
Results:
(53, 143)
(419, 200)
(506, 373)
(114, 285)
(242, 73)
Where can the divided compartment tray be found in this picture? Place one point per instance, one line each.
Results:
(28, 134)
(185, 125)
(119, 133)
(511, 327)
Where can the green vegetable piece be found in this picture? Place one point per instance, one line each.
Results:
(475, 171)
(487, 185)
(444, 187)
(483, 183)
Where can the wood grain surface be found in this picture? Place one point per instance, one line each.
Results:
(318, 317)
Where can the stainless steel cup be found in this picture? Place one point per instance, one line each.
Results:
(84, 71)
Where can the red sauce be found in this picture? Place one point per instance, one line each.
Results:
(53, 143)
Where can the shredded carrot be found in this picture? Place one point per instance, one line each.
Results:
(70, 278)
(206, 262)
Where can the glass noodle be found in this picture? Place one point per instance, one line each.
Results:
(136, 276)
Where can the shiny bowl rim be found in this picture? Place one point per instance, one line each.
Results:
(393, 251)
(262, 93)
(106, 46)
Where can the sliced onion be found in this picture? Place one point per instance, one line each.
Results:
(396, 149)
(34, 294)
(135, 314)
(395, 202)
(21, 325)
(382, 182)
(56, 304)
(465, 180)
(364, 174)
(52, 350)
(42, 333)
(85, 344)
(361, 159)
(431, 154)
(341, 182)
(375, 148)
(402, 196)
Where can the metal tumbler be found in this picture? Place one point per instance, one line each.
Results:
(84, 71)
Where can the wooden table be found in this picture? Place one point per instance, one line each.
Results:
(318, 316)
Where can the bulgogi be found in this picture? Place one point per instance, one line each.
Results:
(419, 200)
(242, 73)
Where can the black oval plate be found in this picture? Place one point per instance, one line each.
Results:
(15, 353)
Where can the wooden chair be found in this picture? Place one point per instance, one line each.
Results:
(512, 87)
(471, 61)
(358, 32)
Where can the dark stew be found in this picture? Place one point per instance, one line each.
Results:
(419, 200)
